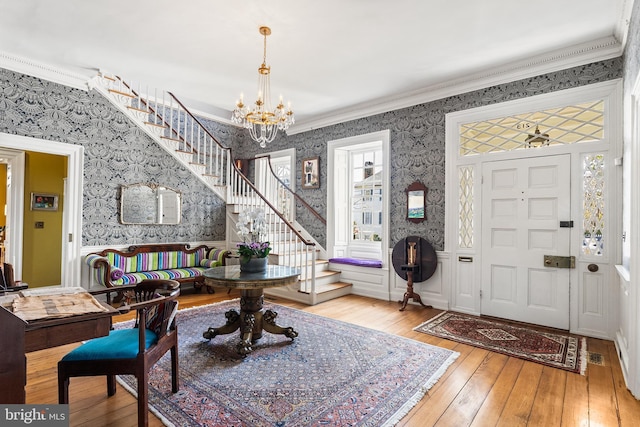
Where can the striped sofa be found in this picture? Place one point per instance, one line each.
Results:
(175, 261)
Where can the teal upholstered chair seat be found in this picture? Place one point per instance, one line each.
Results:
(131, 351)
(119, 344)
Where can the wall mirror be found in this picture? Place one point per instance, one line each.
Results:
(149, 204)
(416, 202)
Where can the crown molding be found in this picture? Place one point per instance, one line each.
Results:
(561, 59)
(44, 71)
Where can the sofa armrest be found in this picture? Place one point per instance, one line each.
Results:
(215, 258)
(102, 269)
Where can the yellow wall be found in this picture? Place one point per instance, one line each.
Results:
(42, 255)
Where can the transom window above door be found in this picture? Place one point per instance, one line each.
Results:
(571, 124)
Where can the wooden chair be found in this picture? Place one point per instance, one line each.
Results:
(130, 351)
(7, 283)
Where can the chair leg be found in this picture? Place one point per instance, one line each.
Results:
(63, 388)
(111, 385)
(174, 370)
(143, 397)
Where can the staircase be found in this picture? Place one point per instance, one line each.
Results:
(168, 122)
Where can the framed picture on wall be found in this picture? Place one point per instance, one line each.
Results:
(311, 172)
(44, 202)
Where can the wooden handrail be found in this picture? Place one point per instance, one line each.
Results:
(195, 119)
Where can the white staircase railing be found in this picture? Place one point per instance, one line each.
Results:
(179, 132)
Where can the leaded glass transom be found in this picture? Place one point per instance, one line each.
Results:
(571, 124)
(593, 207)
(465, 207)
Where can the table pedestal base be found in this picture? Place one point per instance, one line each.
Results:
(416, 298)
(409, 294)
(251, 321)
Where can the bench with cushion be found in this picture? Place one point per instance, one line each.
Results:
(174, 261)
(358, 262)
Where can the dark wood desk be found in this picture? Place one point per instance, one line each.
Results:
(18, 337)
(252, 319)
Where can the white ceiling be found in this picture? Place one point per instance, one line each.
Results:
(330, 58)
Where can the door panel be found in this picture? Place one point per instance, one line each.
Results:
(523, 203)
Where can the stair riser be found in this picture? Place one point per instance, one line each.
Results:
(290, 259)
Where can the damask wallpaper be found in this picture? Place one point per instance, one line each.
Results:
(632, 49)
(116, 153)
(418, 146)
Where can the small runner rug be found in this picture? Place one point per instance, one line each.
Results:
(332, 374)
(558, 350)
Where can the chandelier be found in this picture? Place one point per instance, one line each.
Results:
(263, 122)
(537, 139)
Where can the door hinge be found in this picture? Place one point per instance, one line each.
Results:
(480, 293)
(70, 237)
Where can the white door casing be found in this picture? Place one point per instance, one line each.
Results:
(523, 203)
(72, 209)
(592, 300)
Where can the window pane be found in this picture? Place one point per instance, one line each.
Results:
(465, 207)
(366, 195)
(557, 126)
(593, 205)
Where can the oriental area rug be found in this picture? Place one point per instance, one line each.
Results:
(332, 374)
(549, 348)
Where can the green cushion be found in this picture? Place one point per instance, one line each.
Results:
(120, 344)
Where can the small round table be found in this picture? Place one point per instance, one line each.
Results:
(252, 319)
(418, 270)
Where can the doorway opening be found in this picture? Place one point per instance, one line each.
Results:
(71, 236)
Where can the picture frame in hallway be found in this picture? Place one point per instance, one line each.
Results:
(44, 202)
(311, 172)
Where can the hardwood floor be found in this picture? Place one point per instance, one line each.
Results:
(480, 389)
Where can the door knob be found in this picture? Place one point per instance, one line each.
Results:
(592, 267)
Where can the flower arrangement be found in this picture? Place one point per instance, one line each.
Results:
(251, 228)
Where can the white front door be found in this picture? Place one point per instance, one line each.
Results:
(523, 203)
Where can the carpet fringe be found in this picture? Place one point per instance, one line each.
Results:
(583, 357)
(152, 409)
(413, 401)
(430, 320)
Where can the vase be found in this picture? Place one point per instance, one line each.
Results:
(253, 265)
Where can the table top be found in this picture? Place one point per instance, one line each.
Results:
(426, 259)
(230, 276)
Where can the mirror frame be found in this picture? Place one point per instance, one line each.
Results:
(139, 219)
(416, 201)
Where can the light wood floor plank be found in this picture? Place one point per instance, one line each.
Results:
(575, 408)
(547, 406)
(603, 406)
(491, 409)
(518, 407)
(463, 409)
